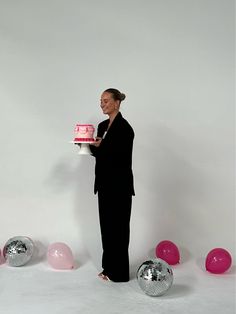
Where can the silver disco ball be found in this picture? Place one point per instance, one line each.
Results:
(18, 251)
(155, 277)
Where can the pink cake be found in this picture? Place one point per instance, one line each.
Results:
(84, 133)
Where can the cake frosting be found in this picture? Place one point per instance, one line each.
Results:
(84, 133)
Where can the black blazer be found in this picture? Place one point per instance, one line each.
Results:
(113, 169)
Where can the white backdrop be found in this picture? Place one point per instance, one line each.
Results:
(175, 62)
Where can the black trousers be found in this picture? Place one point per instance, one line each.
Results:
(114, 215)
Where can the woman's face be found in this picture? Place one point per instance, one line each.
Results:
(108, 104)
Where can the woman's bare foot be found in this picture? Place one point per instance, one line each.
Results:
(103, 277)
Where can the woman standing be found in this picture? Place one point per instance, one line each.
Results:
(114, 185)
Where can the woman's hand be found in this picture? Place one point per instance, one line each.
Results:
(97, 142)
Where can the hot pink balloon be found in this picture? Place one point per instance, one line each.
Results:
(218, 261)
(168, 251)
(60, 256)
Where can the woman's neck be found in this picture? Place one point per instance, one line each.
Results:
(112, 116)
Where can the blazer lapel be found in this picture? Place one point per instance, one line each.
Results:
(114, 126)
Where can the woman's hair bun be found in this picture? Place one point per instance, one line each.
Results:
(122, 96)
(116, 94)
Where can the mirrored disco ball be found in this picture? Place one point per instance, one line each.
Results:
(18, 251)
(155, 277)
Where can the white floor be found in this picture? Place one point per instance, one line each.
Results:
(38, 289)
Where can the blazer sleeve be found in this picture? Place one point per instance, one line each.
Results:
(100, 132)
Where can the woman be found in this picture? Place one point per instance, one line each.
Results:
(114, 185)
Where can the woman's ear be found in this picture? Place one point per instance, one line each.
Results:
(117, 105)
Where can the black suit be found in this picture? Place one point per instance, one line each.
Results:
(114, 184)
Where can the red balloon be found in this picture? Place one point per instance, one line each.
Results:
(218, 261)
(168, 251)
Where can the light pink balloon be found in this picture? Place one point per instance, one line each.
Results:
(60, 256)
(168, 251)
(218, 261)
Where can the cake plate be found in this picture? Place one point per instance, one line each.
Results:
(84, 147)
